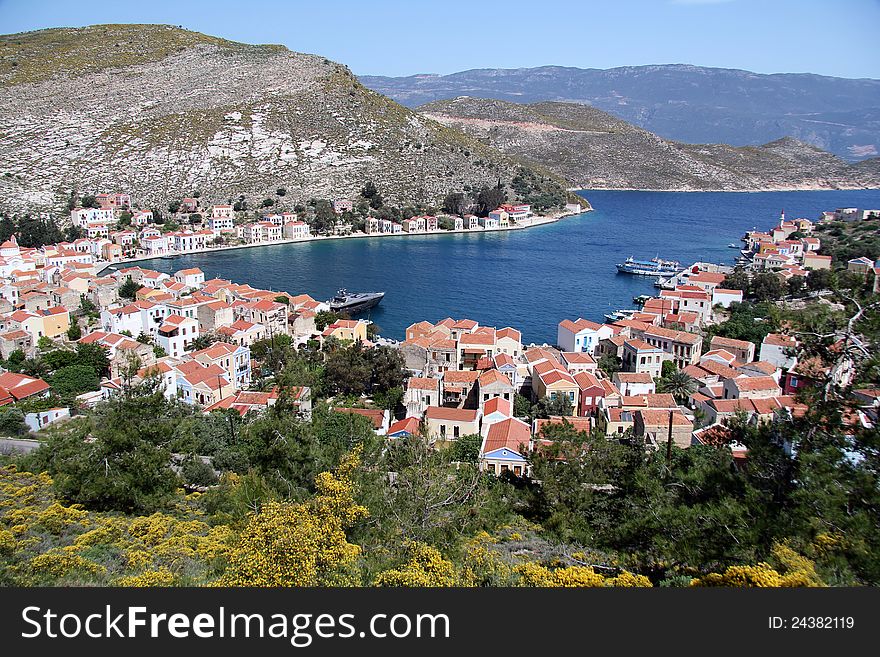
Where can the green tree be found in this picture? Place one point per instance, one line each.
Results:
(74, 380)
(678, 384)
(74, 332)
(609, 364)
(325, 318)
(738, 280)
(12, 422)
(767, 287)
(820, 279)
(552, 406)
(128, 290)
(795, 285)
(454, 203)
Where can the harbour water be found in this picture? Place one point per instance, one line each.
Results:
(530, 279)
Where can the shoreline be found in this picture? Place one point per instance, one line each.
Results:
(759, 190)
(535, 222)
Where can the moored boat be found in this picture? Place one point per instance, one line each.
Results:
(652, 267)
(352, 303)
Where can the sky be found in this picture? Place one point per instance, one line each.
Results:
(396, 37)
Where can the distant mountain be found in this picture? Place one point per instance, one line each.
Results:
(162, 112)
(692, 104)
(592, 149)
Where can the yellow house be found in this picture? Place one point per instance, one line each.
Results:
(549, 379)
(346, 329)
(49, 323)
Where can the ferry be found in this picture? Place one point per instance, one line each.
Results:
(352, 303)
(652, 267)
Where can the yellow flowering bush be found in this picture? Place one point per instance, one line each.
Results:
(287, 544)
(797, 571)
(161, 577)
(425, 567)
(56, 518)
(61, 563)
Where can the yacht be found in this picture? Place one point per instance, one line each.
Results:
(352, 303)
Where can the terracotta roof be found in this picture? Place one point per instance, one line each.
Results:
(409, 425)
(633, 377)
(420, 383)
(376, 416)
(498, 405)
(658, 418)
(491, 377)
(579, 325)
(451, 414)
(511, 433)
(460, 376)
(755, 383)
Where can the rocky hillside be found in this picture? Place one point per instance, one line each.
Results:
(592, 149)
(694, 104)
(162, 113)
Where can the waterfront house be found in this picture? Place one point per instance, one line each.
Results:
(500, 218)
(581, 335)
(296, 230)
(457, 223)
(472, 221)
(489, 222)
(508, 341)
(517, 211)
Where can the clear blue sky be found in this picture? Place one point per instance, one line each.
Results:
(395, 37)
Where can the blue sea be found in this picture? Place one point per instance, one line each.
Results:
(530, 279)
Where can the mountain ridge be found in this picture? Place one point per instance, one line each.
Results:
(163, 113)
(595, 150)
(683, 102)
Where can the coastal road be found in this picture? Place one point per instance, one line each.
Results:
(18, 445)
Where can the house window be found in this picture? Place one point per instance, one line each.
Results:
(443, 431)
(794, 382)
(455, 431)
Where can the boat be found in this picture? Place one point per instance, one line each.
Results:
(652, 267)
(620, 314)
(732, 246)
(642, 299)
(352, 303)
